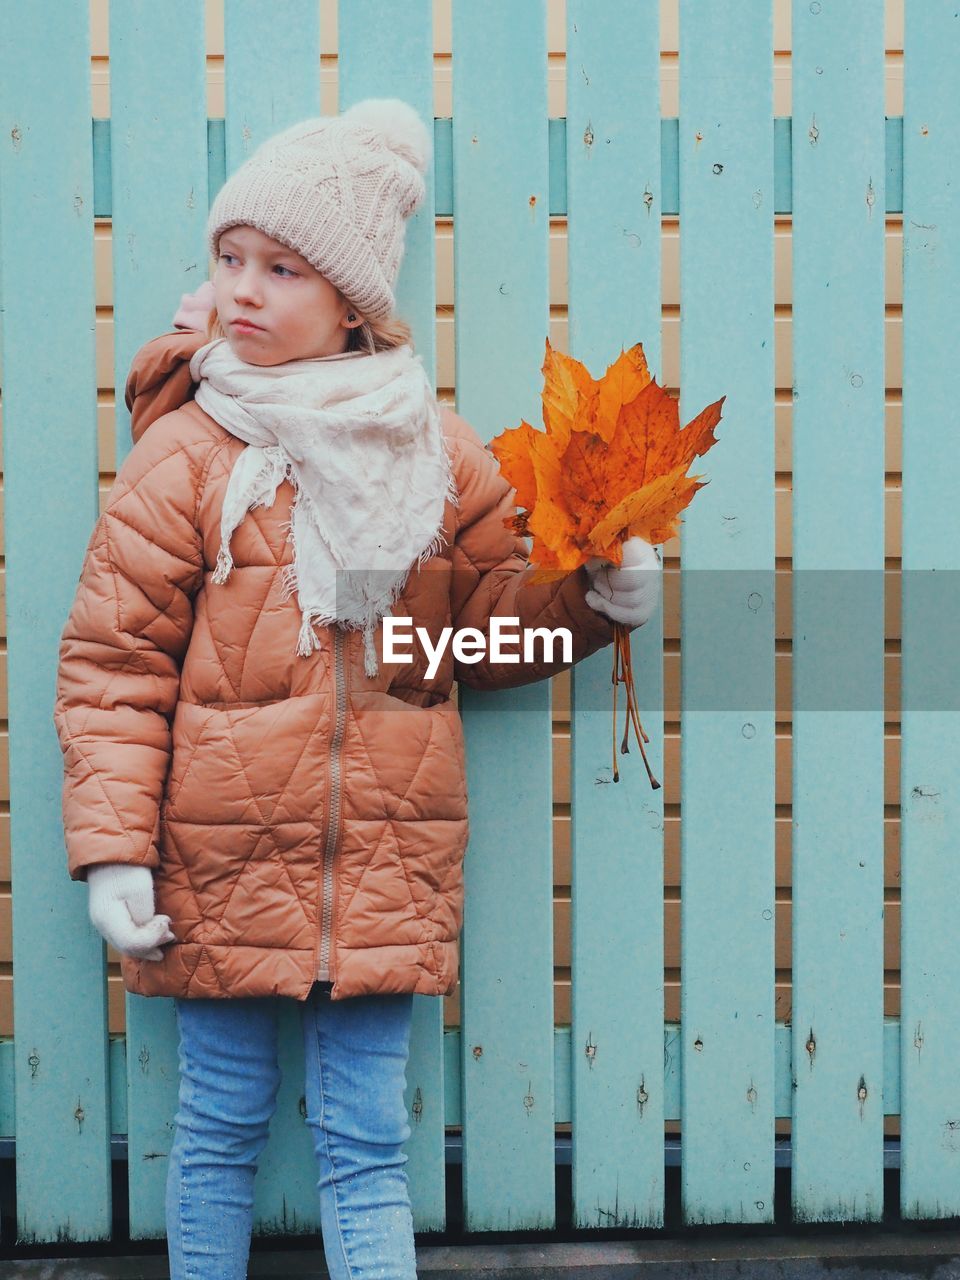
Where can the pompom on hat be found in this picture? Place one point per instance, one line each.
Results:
(337, 190)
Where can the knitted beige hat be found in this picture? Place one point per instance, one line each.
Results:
(337, 190)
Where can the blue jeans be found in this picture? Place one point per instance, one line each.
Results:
(355, 1057)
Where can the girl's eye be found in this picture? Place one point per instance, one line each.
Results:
(279, 267)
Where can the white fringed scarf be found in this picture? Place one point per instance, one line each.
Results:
(359, 437)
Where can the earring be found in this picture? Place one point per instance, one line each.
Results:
(351, 316)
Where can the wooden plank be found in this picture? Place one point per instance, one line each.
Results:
(285, 1197)
(555, 30)
(728, 744)
(783, 510)
(672, 664)
(782, 842)
(559, 336)
(500, 198)
(387, 51)
(451, 1006)
(671, 911)
(563, 934)
(782, 196)
(930, 1046)
(5, 867)
(672, 749)
(271, 56)
(891, 624)
(158, 172)
(442, 79)
(838, 724)
(50, 489)
(562, 1052)
(613, 192)
(159, 177)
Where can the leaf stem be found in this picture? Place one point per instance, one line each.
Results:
(623, 672)
(616, 681)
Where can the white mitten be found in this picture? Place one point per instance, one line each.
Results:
(630, 593)
(122, 909)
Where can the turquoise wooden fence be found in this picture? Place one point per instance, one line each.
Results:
(508, 1075)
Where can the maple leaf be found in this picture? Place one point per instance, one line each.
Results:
(568, 390)
(514, 458)
(610, 464)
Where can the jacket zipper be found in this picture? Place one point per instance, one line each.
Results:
(333, 809)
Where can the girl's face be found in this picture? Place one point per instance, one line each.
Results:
(299, 314)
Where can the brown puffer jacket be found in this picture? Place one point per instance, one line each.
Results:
(304, 822)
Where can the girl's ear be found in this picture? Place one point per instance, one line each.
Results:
(347, 310)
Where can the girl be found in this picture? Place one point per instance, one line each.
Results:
(262, 805)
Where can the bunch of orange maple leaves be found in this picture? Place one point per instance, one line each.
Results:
(610, 465)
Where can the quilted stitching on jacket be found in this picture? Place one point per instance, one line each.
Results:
(197, 742)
